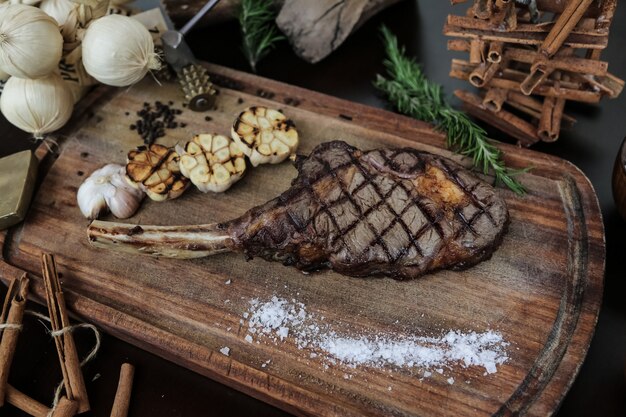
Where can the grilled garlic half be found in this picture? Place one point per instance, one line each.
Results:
(107, 188)
(212, 162)
(156, 171)
(265, 135)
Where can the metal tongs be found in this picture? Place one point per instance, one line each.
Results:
(193, 78)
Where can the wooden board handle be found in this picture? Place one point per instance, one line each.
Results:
(181, 242)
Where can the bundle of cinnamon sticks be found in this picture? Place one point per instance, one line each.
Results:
(74, 401)
(529, 61)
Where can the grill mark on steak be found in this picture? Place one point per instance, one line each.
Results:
(399, 213)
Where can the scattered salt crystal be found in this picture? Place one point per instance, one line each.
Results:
(228, 282)
(228, 329)
(450, 381)
(263, 365)
(278, 318)
(248, 338)
(283, 332)
(225, 351)
(427, 374)
(226, 301)
(389, 388)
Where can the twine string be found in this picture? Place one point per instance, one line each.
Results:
(68, 329)
(13, 326)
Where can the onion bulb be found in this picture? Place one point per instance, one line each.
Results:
(59, 10)
(118, 51)
(30, 42)
(37, 106)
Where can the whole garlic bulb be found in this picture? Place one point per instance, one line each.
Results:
(37, 106)
(118, 51)
(107, 188)
(59, 10)
(30, 42)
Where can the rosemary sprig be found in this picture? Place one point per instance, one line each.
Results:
(256, 18)
(413, 94)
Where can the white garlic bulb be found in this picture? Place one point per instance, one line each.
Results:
(118, 51)
(37, 106)
(107, 188)
(59, 10)
(30, 42)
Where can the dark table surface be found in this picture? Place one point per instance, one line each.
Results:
(165, 389)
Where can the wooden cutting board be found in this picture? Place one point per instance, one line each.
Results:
(541, 290)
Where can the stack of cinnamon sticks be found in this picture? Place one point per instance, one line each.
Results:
(74, 401)
(529, 62)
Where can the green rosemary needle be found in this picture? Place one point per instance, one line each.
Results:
(413, 94)
(256, 18)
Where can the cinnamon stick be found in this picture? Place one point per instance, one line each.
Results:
(564, 25)
(511, 80)
(550, 122)
(477, 51)
(495, 98)
(124, 388)
(495, 52)
(483, 8)
(65, 408)
(483, 74)
(531, 106)
(509, 123)
(25, 403)
(66, 348)
(15, 302)
(505, 16)
(523, 34)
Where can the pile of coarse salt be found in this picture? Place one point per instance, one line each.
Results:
(278, 318)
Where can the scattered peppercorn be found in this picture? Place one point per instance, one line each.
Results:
(154, 120)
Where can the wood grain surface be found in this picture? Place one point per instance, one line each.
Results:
(541, 290)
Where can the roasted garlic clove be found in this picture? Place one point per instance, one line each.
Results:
(107, 188)
(265, 135)
(155, 170)
(212, 162)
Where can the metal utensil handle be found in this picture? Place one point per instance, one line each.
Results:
(205, 9)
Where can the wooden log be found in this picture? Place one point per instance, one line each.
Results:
(181, 11)
(524, 132)
(315, 29)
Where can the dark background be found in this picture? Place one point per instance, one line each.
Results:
(164, 389)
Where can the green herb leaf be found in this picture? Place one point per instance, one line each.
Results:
(413, 94)
(256, 18)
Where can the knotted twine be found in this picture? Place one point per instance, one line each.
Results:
(61, 332)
